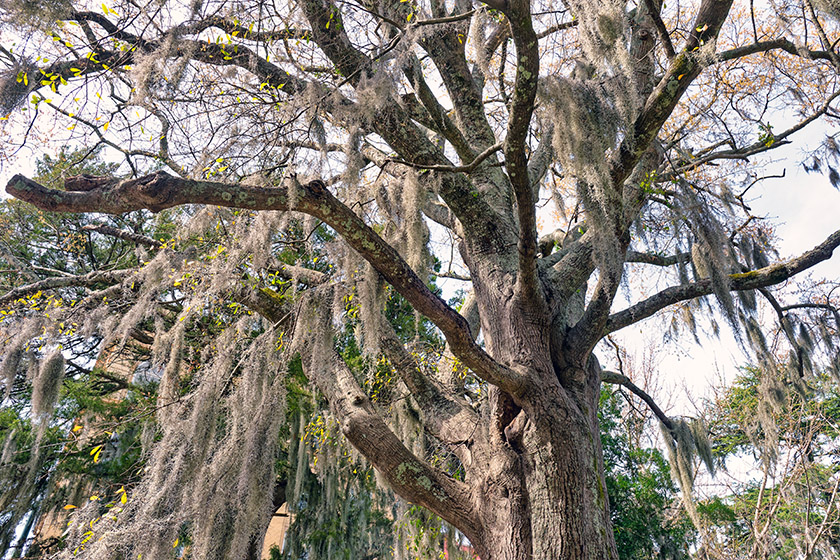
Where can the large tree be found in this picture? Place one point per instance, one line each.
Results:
(367, 133)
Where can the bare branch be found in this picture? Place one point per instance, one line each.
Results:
(468, 168)
(760, 146)
(242, 32)
(555, 28)
(442, 20)
(765, 46)
(619, 379)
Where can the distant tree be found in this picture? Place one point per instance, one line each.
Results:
(87, 446)
(790, 505)
(309, 148)
(644, 501)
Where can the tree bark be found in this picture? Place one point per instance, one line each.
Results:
(543, 493)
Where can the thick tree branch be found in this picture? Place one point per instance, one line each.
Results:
(159, 191)
(413, 478)
(363, 426)
(442, 123)
(298, 273)
(541, 160)
(138, 238)
(585, 334)
(447, 51)
(664, 36)
(656, 258)
(448, 419)
(752, 280)
(516, 158)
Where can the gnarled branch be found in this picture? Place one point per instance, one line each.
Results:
(767, 276)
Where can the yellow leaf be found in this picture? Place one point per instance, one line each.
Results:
(123, 498)
(69, 506)
(105, 126)
(680, 77)
(175, 544)
(94, 498)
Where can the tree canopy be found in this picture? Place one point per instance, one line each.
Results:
(295, 181)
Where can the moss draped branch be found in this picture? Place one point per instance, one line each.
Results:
(160, 190)
(411, 477)
(363, 425)
(751, 280)
(684, 68)
(394, 123)
(84, 280)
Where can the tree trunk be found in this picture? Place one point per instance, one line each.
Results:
(569, 504)
(545, 495)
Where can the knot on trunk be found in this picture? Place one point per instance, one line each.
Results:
(154, 190)
(317, 187)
